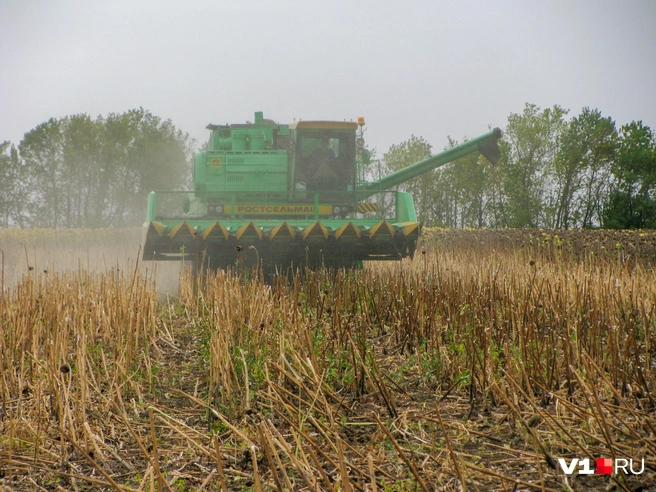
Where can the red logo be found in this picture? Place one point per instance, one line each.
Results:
(604, 466)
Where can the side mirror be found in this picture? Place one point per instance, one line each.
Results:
(366, 156)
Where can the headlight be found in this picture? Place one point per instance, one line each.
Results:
(219, 209)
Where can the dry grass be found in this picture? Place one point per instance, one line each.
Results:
(474, 367)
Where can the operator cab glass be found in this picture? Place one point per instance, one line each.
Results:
(325, 161)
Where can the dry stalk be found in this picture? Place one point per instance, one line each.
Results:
(265, 446)
(95, 465)
(153, 439)
(219, 464)
(247, 391)
(271, 445)
(200, 402)
(343, 471)
(403, 456)
(122, 413)
(207, 480)
(256, 474)
(547, 456)
(372, 473)
(454, 458)
(277, 438)
(635, 435)
(319, 467)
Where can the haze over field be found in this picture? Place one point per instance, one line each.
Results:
(425, 68)
(37, 252)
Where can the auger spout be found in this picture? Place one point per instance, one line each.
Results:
(485, 144)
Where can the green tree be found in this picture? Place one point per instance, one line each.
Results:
(457, 198)
(582, 169)
(94, 173)
(632, 202)
(528, 151)
(445, 201)
(42, 152)
(467, 179)
(422, 187)
(81, 148)
(496, 203)
(139, 153)
(13, 193)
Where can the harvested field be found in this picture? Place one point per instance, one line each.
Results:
(476, 366)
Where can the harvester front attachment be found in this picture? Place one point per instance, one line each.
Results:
(275, 245)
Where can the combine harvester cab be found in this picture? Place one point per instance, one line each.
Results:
(278, 196)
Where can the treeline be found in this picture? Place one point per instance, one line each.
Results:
(554, 172)
(78, 171)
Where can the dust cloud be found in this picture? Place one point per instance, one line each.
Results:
(34, 252)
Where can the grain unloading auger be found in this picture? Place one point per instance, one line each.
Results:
(280, 196)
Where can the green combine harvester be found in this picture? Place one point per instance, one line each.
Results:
(277, 196)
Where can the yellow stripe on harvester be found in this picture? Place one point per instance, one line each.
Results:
(158, 227)
(216, 231)
(408, 228)
(348, 230)
(249, 231)
(383, 228)
(315, 230)
(282, 230)
(183, 229)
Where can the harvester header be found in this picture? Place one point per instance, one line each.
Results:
(278, 196)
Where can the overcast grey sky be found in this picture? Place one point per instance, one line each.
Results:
(429, 68)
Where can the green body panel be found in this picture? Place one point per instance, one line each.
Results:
(244, 158)
(279, 195)
(241, 171)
